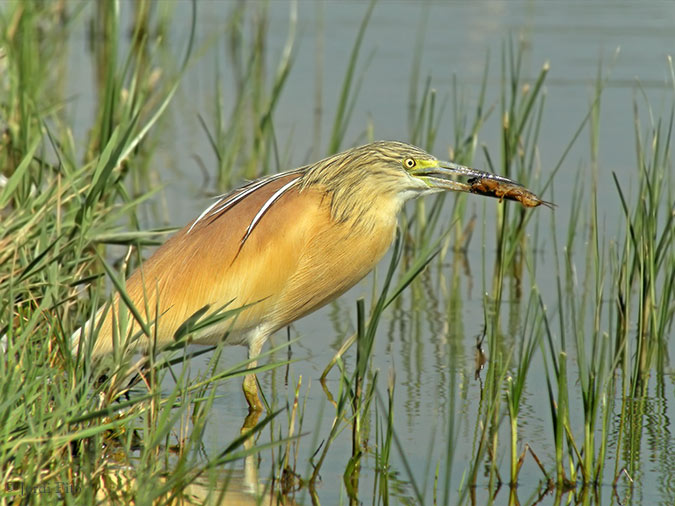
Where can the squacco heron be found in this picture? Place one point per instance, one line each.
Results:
(287, 244)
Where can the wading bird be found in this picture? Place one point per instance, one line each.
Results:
(284, 245)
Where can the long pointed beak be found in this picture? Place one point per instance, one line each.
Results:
(449, 176)
(445, 176)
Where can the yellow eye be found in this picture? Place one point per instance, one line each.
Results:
(409, 163)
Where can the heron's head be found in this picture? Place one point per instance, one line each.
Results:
(397, 171)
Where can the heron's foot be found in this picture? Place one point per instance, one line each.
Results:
(250, 387)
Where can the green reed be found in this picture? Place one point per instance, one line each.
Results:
(522, 105)
(607, 352)
(244, 143)
(65, 207)
(647, 255)
(349, 89)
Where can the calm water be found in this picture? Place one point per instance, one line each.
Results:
(427, 345)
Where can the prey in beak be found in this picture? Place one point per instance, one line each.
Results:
(447, 175)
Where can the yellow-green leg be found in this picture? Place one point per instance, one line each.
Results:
(251, 392)
(250, 385)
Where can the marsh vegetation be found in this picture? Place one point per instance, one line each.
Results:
(499, 354)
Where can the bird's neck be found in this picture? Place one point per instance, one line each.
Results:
(365, 213)
(365, 201)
